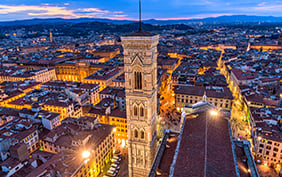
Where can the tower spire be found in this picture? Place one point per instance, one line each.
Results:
(140, 16)
(51, 36)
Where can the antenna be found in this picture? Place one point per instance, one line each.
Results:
(140, 16)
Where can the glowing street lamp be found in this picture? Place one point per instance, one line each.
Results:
(85, 154)
(213, 112)
(123, 144)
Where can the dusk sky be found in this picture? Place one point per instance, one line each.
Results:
(128, 9)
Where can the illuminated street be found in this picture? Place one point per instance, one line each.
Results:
(140, 88)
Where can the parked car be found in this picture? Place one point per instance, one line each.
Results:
(117, 153)
(114, 169)
(115, 161)
(115, 166)
(116, 157)
(111, 173)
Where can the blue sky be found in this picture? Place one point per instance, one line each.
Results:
(128, 9)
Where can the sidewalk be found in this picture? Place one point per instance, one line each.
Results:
(123, 172)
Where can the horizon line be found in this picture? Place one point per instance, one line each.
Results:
(145, 19)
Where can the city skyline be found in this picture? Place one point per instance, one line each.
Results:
(126, 10)
(87, 91)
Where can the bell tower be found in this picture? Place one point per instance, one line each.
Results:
(140, 67)
(51, 36)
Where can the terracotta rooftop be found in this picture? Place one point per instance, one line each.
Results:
(104, 73)
(214, 92)
(203, 154)
(240, 75)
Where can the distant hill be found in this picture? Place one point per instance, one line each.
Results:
(83, 29)
(220, 19)
(61, 20)
(239, 19)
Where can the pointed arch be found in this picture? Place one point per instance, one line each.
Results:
(135, 133)
(141, 111)
(142, 134)
(138, 78)
(135, 110)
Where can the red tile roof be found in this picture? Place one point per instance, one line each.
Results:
(192, 160)
(240, 75)
(214, 92)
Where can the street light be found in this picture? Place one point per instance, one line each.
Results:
(213, 112)
(85, 154)
(123, 144)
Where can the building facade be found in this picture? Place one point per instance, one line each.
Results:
(104, 77)
(116, 117)
(72, 136)
(21, 74)
(75, 71)
(140, 67)
(221, 97)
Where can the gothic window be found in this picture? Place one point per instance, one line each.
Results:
(138, 80)
(135, 110)
(141, 111)
(135, 133)
(142, 134)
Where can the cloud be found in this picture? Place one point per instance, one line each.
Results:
(166, 9)
(47, 11)
(46, 4)
(269, 7)
(262, 4)
(273, 8)
(93, 10)
(118, 12)
(198, 16)
(119, 16)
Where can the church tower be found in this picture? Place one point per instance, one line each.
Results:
(51, 36)
(140, 67)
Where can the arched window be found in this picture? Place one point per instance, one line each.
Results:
(141, 111)
(138, 80)
(135, 110)
(135, 133)
(142, 134)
